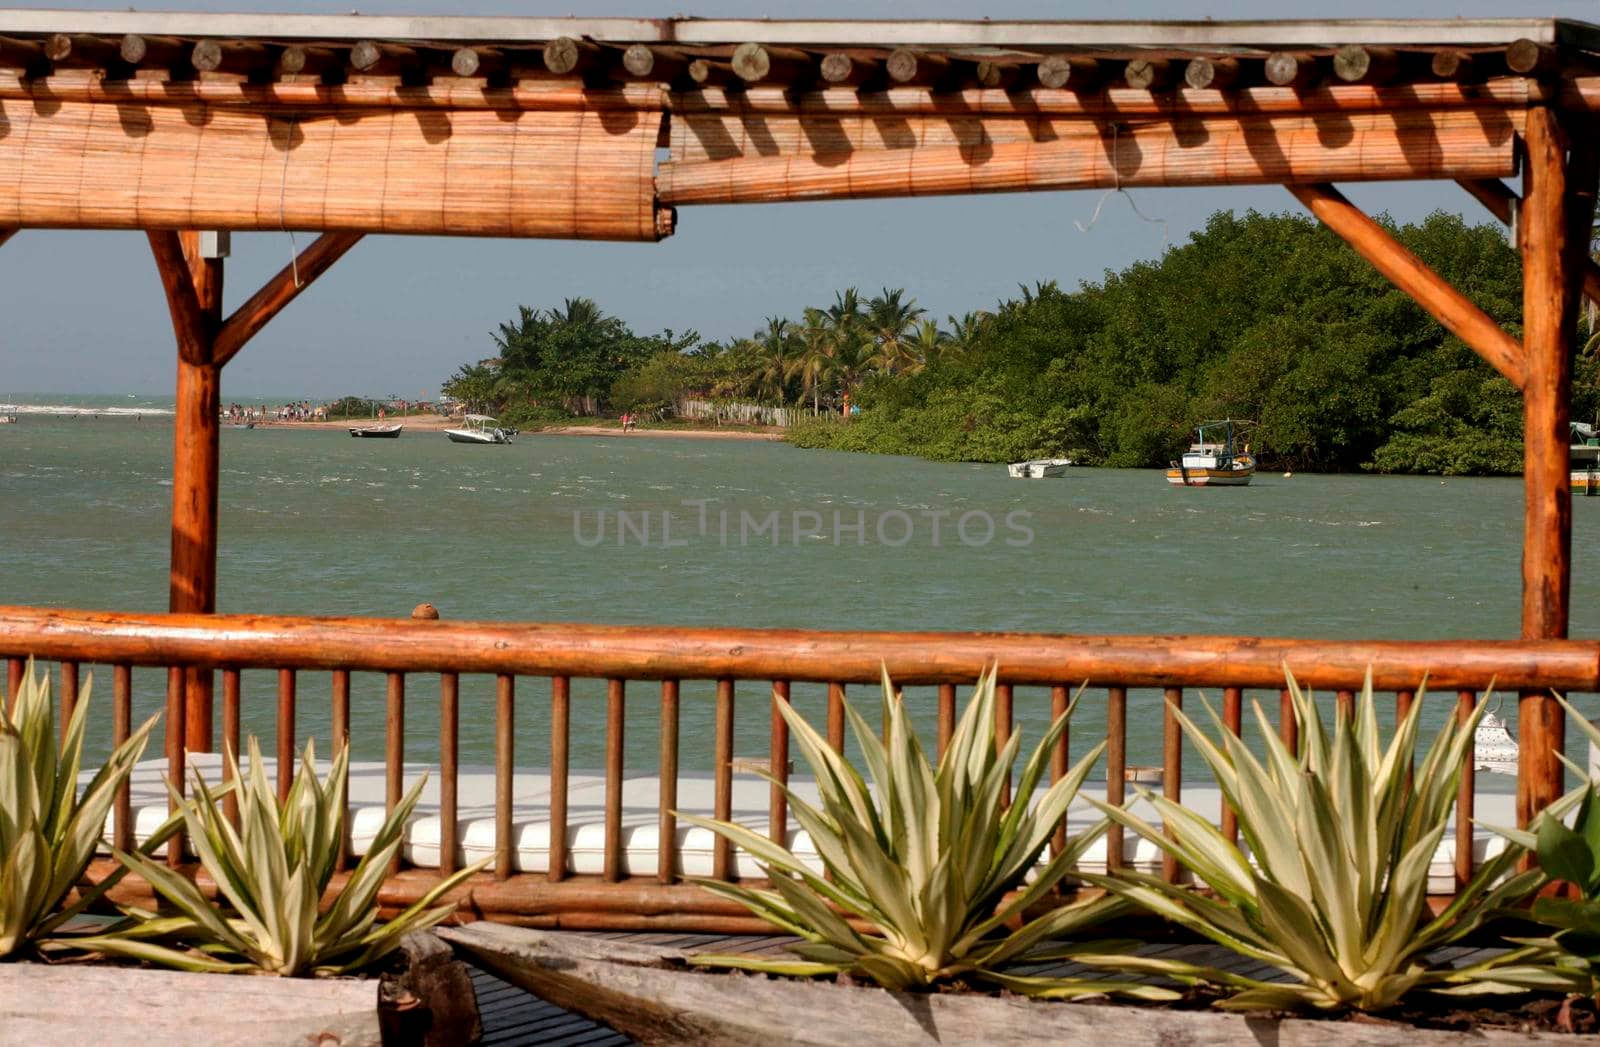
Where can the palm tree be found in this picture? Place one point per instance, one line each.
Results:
(774, 351)
(889, 318)
(813, 364)
(964, 333)
(925, 347)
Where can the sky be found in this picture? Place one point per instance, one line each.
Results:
(83, 312)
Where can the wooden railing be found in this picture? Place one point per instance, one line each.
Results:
(668, 657)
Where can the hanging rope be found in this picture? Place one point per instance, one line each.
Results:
(1115, 190)
(283, 190)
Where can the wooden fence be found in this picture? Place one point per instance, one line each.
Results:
(631, 659)
(736, 411)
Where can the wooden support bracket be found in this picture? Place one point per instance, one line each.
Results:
(1501, 201)
(278, 292)
(188, 322)
(1409, 273)
(6, 234)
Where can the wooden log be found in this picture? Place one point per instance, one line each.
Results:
(1409, 273)
(449, 772)
(650, 63)
(1171, 769)
(565, 56)
(24, 55)
(230, 56)
(754, 63)
(842, 69)
(340, 701)
(121, 728)
(1466, 794)
(285, 732)
(1060, 757)
(177, 776)
(1287, 69)
(947, 716)
(248, 320)
(722, 867)
(394, 750)
(1460, 66)
(836, 714)
(7, 234)
(69, 699)
(1150, 74)
(372, 58)
(1004, 717)
(912, 658)
(1355, 64)
(707, 72)
(1528, 58)
(1553, 241)
(1000, 76)
(306, 60)
(1288, 721)
(778, 760)
(476, 61)
(616, 747)
(1233, 721)
(505, 767)
(1116, 768)
(151, 51)
(78, 49)
(1060, 72)
(906, 66)
(667, 819)
(15, 668)
(1208, 73)
(1365, 147)
(560, 739)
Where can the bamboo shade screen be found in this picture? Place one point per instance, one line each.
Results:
(570, 174)
(748, 157)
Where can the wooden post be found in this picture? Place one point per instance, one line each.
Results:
(1551, 252)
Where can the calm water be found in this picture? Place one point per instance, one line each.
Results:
(317, 523)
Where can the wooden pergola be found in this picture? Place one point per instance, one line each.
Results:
(179, 124)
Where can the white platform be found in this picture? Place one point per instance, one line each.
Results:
(640, 814)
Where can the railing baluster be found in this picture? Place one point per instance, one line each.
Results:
(15, 667)
(616, 724)
(667, 823)
(230, 741)
(1402, 708)
(1346, 704)
(340, 700)
(1116, 767)
(947, 715)
(1171, 769)
(394, 753)
(1060, 698)
(69, 695)
(778, 757)
(286, 753)
(560, 717)
(175, 772)
(836, 716)
(1466, 795)
(722, 801)
(1233, 720)
(121, 727)
(449, 771)
(505, 709)
(1002, 731)
(1288, 726)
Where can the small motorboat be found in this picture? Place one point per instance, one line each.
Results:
(1039, 468)
(377, 432)
(242, 425)
(480, 429)
(1212, 460)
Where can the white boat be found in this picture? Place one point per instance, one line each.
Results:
(1212, 461)
(480, 429)
(1583, 458)
(1038, 468)
(377, 432)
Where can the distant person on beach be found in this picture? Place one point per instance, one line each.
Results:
(627, 421)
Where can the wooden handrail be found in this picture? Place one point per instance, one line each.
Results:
(661, 652)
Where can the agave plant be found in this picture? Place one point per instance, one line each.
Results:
(49, 827)
(273, 871)
(929, 857)
(1332, 883)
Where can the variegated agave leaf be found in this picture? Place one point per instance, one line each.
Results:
(49, 825)
(273, 872)
(1331, 883)
(927, 856)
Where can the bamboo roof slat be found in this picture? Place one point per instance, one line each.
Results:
(1254, 150)
(568, 174)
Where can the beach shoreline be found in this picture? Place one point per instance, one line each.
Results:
(433, 423)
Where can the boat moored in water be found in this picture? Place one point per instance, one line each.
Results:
(377, 432)
(1583, 459)
(480, 429)
(1039, 468)
(1213, 460)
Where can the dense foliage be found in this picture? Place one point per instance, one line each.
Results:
(1267, 319)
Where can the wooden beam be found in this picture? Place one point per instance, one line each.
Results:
(193, 344)
(278, 292)
(1549, 306)
(1501, 201)
(6, 234)
(1409, 273)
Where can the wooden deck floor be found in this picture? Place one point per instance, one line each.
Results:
(513, 1016)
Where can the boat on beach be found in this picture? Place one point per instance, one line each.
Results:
(1039, 468)
(377, 432)
(1213, 459)
(480, 429)
(1583, 459)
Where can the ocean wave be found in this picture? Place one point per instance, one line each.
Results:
(78, 409)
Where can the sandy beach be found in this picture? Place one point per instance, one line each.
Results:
(437, 422)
